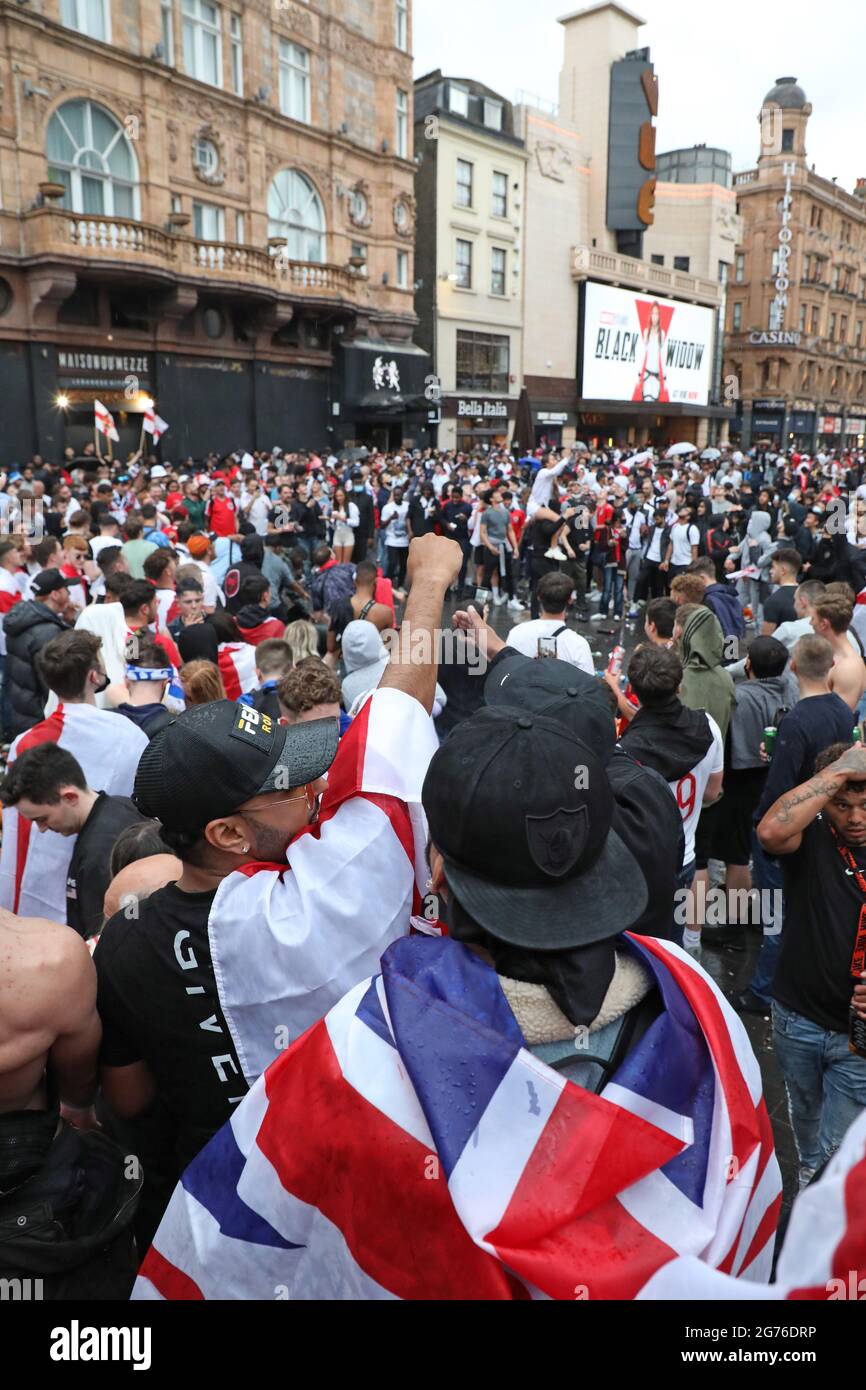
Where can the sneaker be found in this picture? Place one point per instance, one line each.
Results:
(583, 616)
(499, 599)
(516, 606)
(617, 617)
(747, 1002)
(634, 614)
(723, 938)
(555, 554)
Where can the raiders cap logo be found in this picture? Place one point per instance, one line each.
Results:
(557, 843)
(254, 727)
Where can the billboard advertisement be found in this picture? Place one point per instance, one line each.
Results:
(637, 347)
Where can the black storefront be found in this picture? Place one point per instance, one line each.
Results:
(382, 396)
(211, 403)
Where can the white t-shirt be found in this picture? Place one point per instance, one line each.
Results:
(689, 790)
(684, 537)
(570, 646)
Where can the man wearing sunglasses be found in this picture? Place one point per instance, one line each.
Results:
(301, 864)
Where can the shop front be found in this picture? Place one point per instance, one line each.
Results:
(381, 397)
(801, 430)
(552, 428)
(830, 432)
(473, 424)
(121, 381)
(855, 432)
(768, 423)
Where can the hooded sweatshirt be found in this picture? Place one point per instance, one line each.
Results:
(722, 600)
(365, 657)
(670, 738)
(256, 624)
(706, 685)
(759, 706)
(758, 539)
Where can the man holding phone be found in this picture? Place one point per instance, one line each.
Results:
(550, 635)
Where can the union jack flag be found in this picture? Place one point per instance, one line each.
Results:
(410, 1146)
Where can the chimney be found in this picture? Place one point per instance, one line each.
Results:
(860, 189)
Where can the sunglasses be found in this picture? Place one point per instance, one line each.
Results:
(307, 795)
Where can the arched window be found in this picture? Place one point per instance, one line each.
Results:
(295, 212)
(89, 153)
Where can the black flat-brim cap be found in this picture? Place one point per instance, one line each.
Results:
(599, 904)
(214, 758)
(559, 691)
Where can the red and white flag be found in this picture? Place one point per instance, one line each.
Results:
(154, 424)
(105, 421)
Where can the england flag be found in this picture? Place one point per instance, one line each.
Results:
(154, 424)
(105, 421)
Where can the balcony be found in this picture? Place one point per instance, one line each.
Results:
(587, 263)
(120, 245)
(750, 176)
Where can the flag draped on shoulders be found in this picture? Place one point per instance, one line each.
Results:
(34, 864)
(410, 1146)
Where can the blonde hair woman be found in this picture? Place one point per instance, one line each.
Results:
(202, 683)
(302, 639)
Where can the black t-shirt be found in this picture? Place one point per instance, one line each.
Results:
(822, 911)
(779, 607)
(543, 533)
(88, 875)
(814, 724)
(158, 1001)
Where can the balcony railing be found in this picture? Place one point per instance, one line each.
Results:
(749, 176)
(587, 263)
(48, 232)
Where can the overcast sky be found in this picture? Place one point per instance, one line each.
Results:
(715, 62)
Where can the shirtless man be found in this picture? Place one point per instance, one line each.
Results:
(831, 619)
(49, 1026)
(362, 604)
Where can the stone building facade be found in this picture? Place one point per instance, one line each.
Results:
(796, 316)
(210, 205)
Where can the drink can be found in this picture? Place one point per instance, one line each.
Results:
(617, 657)
(770, 740)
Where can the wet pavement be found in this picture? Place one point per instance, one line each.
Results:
(730, 970)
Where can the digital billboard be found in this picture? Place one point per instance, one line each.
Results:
(638, 347)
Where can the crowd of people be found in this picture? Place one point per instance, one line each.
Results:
(503, 868)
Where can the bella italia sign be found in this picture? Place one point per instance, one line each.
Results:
(483, 410)
(786, 236)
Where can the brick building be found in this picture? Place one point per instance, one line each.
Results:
(796, 317)
(209, 205)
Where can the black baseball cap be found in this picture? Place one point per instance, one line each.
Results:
(213, 758)
(522, 813)
(48, 582)
(557, 690)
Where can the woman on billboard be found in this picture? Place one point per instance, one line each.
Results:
(651, 383)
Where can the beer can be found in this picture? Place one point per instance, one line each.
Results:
(770, 740)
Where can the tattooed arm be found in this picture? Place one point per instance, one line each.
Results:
(781, 830)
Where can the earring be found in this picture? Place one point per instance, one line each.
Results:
(246, 849)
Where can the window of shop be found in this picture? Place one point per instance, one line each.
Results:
(482, 361)
(202, 47)
(237, 51)
(493, 114)
(208, 222)
(402, 124)
(458, 100)
(295, 81)
(90, 155)
(500, 195)
(401, 23)
(498, 267)
(464, 264)
(295, 212)
(167, 19)
(90, 17)
(464, 183)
